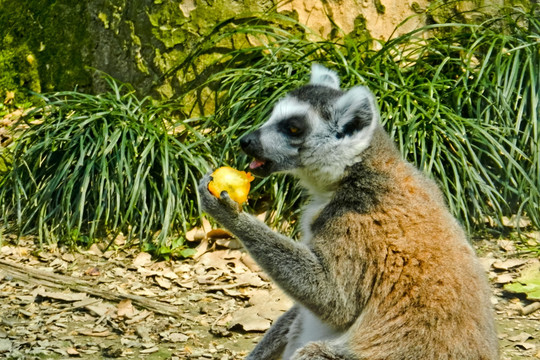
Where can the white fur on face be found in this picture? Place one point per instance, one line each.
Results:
(276, 146)
(287, 107)
(321, 161)
(324, 164)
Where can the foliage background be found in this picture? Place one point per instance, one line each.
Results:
(461, 100)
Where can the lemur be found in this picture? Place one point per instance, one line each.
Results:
(383, 270)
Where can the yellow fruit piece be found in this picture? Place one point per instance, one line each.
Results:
(234, 182)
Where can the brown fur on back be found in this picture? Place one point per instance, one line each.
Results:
(418, 287)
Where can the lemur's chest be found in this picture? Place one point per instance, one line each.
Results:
(310, 214)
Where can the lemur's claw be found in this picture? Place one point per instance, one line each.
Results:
(211, 204)
(230, 203)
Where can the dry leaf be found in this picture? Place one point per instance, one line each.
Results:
(215, 259)
(145, 292)
(94, 249)
(125, 309)
(525, 346)
(186, 284)
(139, 317)
(250, 279)
(516, 221)
(508, 264)
(250, 263)
(143, 259)
(219, 234)
(507, 245)
(5, 345)
(169, 274)
(164, 283)
(504, 279)
(201, 248)
(71, 351)
(92, 271)
(68, 257)
(249, 320)
(195, 234)
(177, 337)
(270, 303)
(143, 332)
(521, 337)
(233, 244)
(101, 309)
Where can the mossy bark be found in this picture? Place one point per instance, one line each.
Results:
(43, 44)
(135, 41)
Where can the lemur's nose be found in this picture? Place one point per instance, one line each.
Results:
(246, 141)
(251, 144)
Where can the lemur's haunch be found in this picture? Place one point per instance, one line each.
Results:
(383, 270)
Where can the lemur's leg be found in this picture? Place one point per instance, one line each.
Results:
(322, 350)
(274, 341)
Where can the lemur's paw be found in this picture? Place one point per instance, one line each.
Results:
(219, 209)
(318, 351)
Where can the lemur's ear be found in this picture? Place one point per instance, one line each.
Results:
(322, 76)
(354, 111)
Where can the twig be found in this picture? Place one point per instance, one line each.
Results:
(529, 309)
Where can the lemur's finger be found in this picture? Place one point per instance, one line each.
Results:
(230, 203)
(203, 183)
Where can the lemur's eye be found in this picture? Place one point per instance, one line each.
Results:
(294, 130)
(293, 126)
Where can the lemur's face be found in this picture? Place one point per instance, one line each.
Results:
(315, 131)
(296, 122)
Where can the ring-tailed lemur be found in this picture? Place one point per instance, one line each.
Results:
(383, 271)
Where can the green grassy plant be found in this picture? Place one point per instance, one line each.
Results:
(93, 166)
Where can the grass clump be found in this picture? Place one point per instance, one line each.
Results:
(91, 166)
(466, 112)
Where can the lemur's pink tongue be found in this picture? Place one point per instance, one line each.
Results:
(256, 164)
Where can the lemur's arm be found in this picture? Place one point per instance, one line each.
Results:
(273, 344)
(292, 265)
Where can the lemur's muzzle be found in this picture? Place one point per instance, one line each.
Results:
(251, 145)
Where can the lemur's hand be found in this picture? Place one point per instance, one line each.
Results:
(223, 209)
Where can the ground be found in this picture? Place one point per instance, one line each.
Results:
(58, 304)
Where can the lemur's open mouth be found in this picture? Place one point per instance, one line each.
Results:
(257, 163)
(261, 167)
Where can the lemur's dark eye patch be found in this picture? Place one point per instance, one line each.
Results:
(294, 126)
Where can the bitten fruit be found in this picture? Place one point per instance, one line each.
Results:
(236, 183)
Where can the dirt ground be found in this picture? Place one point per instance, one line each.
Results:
(122, 304)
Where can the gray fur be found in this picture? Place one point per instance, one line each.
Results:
(383, 270)
(275, 340)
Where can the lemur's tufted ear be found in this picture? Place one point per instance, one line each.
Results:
(355, 110)
(323, 76)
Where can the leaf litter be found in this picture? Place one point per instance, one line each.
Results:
(123, 304)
